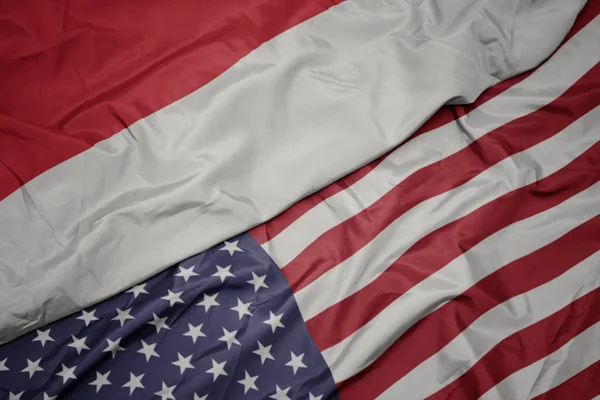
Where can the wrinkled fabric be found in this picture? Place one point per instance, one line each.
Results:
(302, 110)
(171, 331)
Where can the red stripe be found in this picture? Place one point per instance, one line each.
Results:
(76, 72)
(420, 261)
(342, 241)
(436, 330)
(398, 360)
(583, 386)
(515, 352)
(267, 231)
(524, 347)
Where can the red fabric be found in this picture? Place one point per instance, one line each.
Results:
(345, 239)
(420, 261)
(583, 386)
(424, 339)
(76, 72)
(440, 247)
(526, 346)
(265, 232)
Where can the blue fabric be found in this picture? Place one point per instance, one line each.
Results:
(22, 379)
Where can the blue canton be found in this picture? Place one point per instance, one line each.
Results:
(220, 325)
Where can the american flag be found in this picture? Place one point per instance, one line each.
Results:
(220, 325)
(464, 264)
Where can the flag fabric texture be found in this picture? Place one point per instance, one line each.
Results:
(463, 263)
(187, 333)
(128, 147)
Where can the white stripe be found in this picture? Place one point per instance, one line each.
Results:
(544, 85)
(552, 370)
(517, 171)
(492, 327)
(497, 250)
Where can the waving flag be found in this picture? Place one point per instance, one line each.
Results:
(202, 119)
(462, 264)
(222, 324)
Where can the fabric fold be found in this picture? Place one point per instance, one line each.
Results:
(302, 110)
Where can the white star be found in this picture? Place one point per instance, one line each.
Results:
(231, 247)
(113, 347)
(173, 298)
(249, 382)
(296, 362)
(135, 382)
(223, 272)
(137, 290)
(3, 366)
(264, 352)
(48, 397)
(183, 363)
(209, 301)
(194, 332)
(313, 397)
(258, 281)
(123, 316)
(280, 394)
(33, 367)
(88, 317)
(242, 308)
(159, 323)
(67, 373)
(148, 350)
(78, 344)
(274, 321)
(196, 397)
(186, 273)
(166, 392)
(217, 369)
(12, 396)
(229, 338)
(101, 380)
(43, 337)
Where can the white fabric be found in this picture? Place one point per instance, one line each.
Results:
(494, 326)
(514, 172)
(354, 353)
(299, 112)
(551, 371)
(548, 82)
